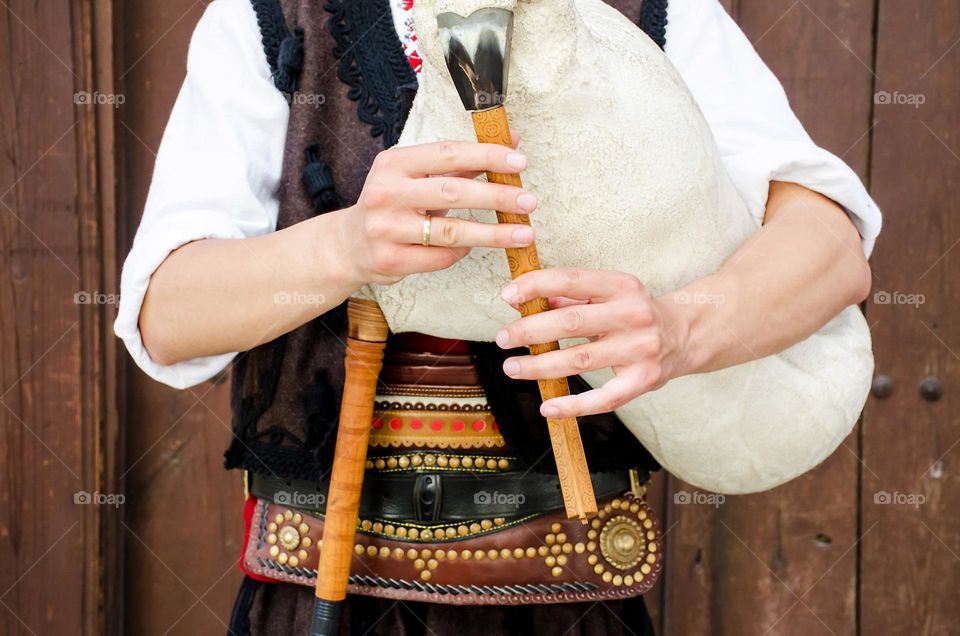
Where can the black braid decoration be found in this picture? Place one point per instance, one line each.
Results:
(318, 181)
(283, 48)
(653, 20)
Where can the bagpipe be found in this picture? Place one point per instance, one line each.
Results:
(629, 179)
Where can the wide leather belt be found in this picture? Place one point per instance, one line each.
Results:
(439, 497)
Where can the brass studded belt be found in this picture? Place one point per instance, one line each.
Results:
(545, 558)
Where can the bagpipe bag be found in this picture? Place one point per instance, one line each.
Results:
(630, 179)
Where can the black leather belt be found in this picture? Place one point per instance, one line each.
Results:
(440, 497)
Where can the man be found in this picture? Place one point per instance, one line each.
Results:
(264, 216)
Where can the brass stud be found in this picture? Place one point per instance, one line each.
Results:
(652, 547)
(579, 548)
(452, 555)
(371, 550)
(283, 558)
(467, 462)
(555, 549)
(454, 462)
(616, 504)
(392, 462)
(398, 553)
(651, 535)
(271, 538)
(592, 559)
(404, 462)
(642, 515)
(591, 534)
(491, 464)
(293, 561)
(561, 560)
(607, 577)
(499, 521)
(366, 524)
(518, 553)
(304, 528)
(306, 542)
(595, 524)
(274, 551)
(486, 524)
(628, 580)
(368, 465)
(380, 464)
(443, 461)
(648, 523)
(556, 571)
(411, 554)
(598, 568)
(608, 509)
(426, 553)
(479, 555)
(463, 531)
(543, 550)
(634, 508)
(278, 518)
(503, 464)
(561, 538)
(413, 533)
(530, 552)
(297, 518)
(492, 554)
(272, 527)
(651, 558)
(425, 575)
(358, 550)
(384, 552)
(505, 553)
(591, 546)
(441, 554)
(419, 564)
(618, 580)
(389, 529)
(401, 532)
(451, 532)
(550, 561)
(432, 564)
(303, 554)
(378, 527)
(567, 548)
(550, 539)
(426, 534)
(645, 568)
(467, 555)
(416, 460)
(430, 460)
(475, 528)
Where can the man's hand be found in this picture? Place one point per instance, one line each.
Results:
(629, 330)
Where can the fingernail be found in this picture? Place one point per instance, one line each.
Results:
(516, 160)
(523, 236)
(509, 293)
(527, 201)
(503, 338)
(511, 367)
(548, 410)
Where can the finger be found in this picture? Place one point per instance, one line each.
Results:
(451, 156)
(576, 321)
(450, 193)
(556, 302)
(580, 284)
(561, 363)
(615, 393)
(415, 259)
(451, 231)
(473, 174)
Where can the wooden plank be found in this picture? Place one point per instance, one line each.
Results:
(184, 524)
(56, 402)
(784, 562)
(911, 558)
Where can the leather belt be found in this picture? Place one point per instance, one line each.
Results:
(438, 497)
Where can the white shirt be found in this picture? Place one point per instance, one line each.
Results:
(218, 167)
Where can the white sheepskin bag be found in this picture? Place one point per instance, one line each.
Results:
(630, 179)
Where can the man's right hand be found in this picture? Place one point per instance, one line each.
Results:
(382, 234)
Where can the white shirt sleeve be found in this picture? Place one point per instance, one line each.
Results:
(759, 136)
(217, 170)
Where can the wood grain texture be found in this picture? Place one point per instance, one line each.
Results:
(362, 364)
(493, 127)
(784, 562)
(910, 491)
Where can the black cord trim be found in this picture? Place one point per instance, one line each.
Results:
(283, 48)
(653, 20)
(380, 78)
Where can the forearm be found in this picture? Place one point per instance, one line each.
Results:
(800, 270)
(216, 296)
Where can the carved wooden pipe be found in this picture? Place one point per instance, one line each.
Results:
(367, 338)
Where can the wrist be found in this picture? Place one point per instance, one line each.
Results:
(333, 259)
(694, 317)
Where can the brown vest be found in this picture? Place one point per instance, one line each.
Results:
(350, 86)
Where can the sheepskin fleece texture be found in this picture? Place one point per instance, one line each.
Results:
(630, 179)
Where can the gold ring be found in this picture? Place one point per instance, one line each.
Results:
(427, 220)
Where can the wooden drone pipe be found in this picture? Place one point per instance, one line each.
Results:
(367, 338)
(492, 126)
